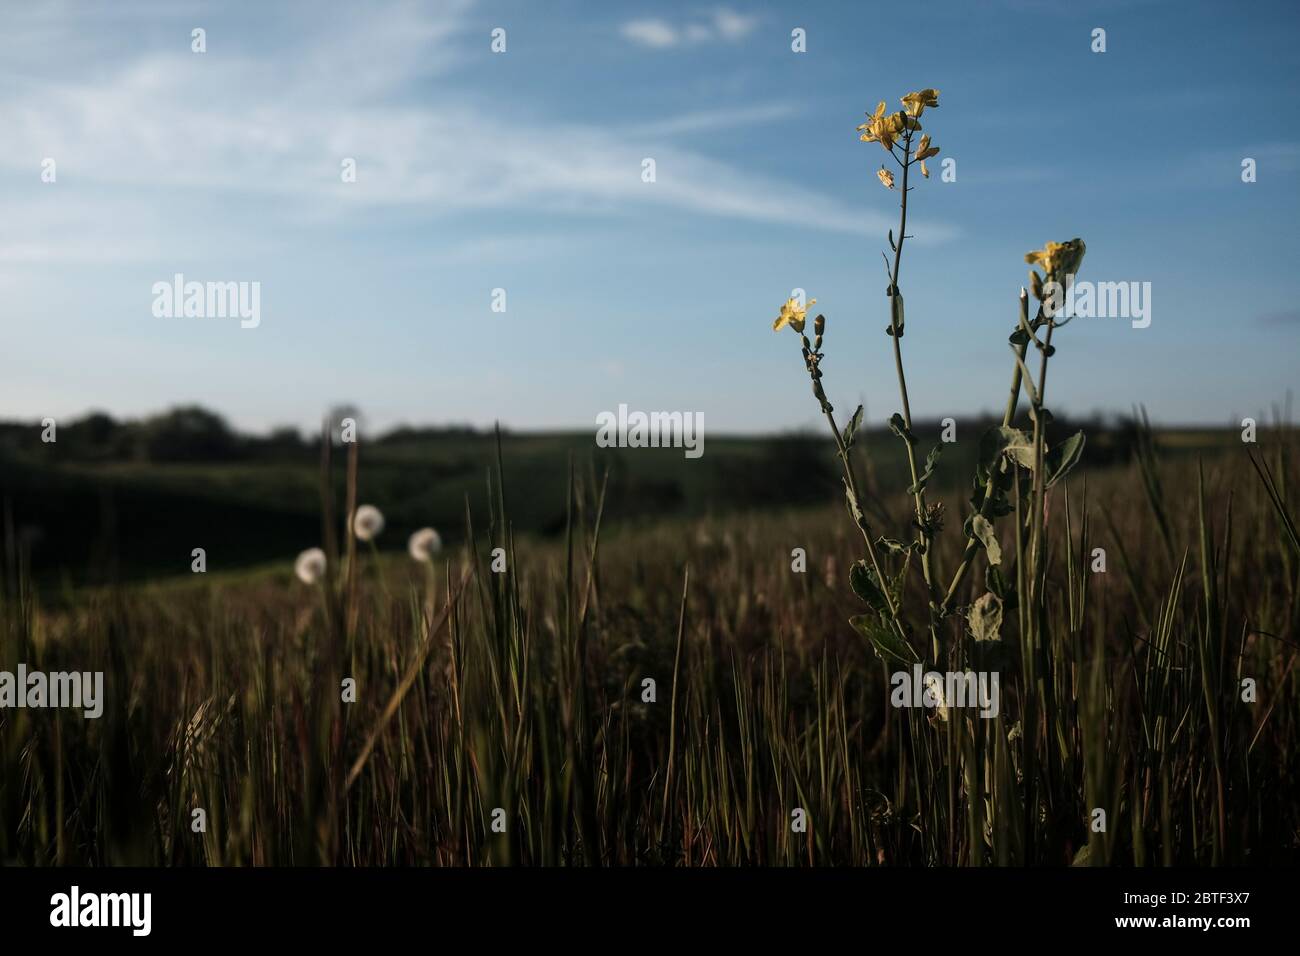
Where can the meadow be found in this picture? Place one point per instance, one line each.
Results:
(625, 657)
(503, 717)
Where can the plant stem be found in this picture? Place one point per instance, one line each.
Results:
(1040, 440)
(927, 535)
(866, 536)
(972, 546)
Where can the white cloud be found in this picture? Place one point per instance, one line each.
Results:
(155, 150)
(658, 34)
(733, 26)
(716, 119)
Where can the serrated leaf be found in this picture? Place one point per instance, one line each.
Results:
(851, 429)
(865, 586)
(983, 529)
(886, 643)
(1063, 457)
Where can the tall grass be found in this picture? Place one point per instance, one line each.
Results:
(523, 691)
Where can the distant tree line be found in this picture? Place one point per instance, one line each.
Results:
(182, 434)
(191, 433)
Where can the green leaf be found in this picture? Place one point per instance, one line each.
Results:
(851, 429)
(899, 428)
(886, 643)
(930, 461)
(863, 581)
(1003, 440)
(983, 529)
(1063, 457)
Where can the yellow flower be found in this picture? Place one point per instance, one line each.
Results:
(867, 137)
(876, 128)
(924, 172)
(1058, 258)
(924, 150)
(1060, 261)
(918, 101)
(885, 128)
(886, 177)
(792, 314)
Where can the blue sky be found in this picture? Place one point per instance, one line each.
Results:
(522, 171)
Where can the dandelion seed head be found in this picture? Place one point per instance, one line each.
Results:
(367, 523)
(310, 566)
(424, 544)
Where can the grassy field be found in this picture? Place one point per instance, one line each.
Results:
(503, 717)
(95, 513)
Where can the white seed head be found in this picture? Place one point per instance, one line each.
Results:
(310, 566)
(367, 523)
(424, 544)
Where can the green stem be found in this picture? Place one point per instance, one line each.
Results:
(972, 546)
(866, 536)
(927, 536)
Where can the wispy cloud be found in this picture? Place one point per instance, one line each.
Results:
(717, 119)
(273, 127)
(654, 33)
(660, 34)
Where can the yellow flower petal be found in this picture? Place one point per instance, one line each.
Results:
(792, 314)
(886, 177)
(924, 150)
(1058, 259)
(916, 103)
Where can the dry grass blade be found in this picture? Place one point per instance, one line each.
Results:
(408, 678)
